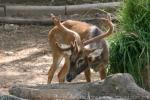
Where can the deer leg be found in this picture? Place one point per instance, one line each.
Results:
(87, 73)
(51, 73)
(102, 72)
(52, 70)
(62, 73)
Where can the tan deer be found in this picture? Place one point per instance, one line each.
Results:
(72, 33)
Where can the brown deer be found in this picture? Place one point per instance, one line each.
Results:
(73, 32)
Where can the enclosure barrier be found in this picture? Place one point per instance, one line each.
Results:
(41, 14)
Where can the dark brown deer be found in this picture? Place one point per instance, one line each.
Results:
(71, 33)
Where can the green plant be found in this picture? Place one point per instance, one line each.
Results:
(130, 47)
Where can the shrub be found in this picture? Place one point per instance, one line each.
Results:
(130, 47)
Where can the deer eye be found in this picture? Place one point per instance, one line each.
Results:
(81, 60)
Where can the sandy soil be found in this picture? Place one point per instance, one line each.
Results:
(25, 56)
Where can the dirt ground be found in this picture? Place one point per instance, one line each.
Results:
(25, 56)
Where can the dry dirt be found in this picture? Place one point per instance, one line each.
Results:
(25, 56)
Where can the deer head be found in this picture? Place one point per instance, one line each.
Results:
(80, 56)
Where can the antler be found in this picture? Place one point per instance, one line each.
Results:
(76, 36)
(103, 35)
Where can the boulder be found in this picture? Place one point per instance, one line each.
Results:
(115, 87)
(10, 97)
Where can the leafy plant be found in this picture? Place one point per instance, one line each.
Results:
(130, 47)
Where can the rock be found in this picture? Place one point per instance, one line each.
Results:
(10, 97)
(8, 53)
(114, 87)
(10, 27)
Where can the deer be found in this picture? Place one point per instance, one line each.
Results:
(77, 54)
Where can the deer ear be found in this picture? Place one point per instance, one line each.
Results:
(93, 55)
(88, 51)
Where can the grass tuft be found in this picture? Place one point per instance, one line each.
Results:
(130, 47)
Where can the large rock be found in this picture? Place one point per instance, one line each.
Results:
(117, 86)
(10, 97)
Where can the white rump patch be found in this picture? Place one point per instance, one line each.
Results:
(87, 46)
(92, 29)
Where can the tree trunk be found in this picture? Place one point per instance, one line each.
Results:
(10, 97)
(113, 87)
(42, 11)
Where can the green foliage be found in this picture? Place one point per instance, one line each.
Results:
(130, 47)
